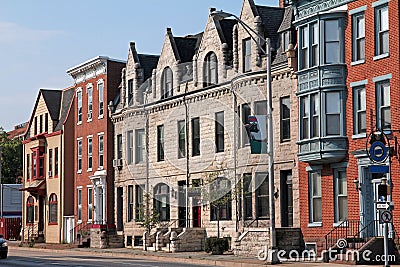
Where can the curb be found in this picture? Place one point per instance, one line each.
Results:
(228, 263)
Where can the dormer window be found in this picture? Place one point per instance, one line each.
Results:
(166, 83)
(285, 41)
(210, 70)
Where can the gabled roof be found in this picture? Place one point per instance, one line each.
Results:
(271, 18)
(52, 99)
(67, 96)
(187, 46)
(287, 20)
(148, 63)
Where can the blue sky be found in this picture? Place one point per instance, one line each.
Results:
(41, 39)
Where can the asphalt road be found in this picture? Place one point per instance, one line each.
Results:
(41, 258)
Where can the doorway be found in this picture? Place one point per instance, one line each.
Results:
(120, 219)
(182, 203)
(286, 199)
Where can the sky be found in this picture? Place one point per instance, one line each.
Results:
(41, 39)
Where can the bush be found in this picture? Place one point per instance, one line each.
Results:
(216, 246)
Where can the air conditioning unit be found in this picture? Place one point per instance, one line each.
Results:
(49, 173)
(117, 163)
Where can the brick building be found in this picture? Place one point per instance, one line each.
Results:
(47, 150)
(188, 107)
(96, 84)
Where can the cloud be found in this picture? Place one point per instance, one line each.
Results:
(12, 32)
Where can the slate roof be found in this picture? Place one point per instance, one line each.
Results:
(67, 97)
(148, 63)
(271, 18)
(53, 101)
(227, 30)
(187, 46)
(287, 20)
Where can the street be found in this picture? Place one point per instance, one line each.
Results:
(43, 258)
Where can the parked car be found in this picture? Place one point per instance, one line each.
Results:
(3, 248)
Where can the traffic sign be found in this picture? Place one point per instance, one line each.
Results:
(382, 205)
(386, 216)
(378, 152)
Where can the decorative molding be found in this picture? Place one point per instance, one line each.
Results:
(357, 10)
(382, 78)
(358, 83)
(318, 6)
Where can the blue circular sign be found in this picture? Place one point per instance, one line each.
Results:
(378, 152)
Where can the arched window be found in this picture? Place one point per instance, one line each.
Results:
(210, 70)
(166, 83)
(30, 210)
(221, 197)
(161, 201)
(53, 207)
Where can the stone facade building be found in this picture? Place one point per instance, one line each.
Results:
(180, 120)
(47, 151)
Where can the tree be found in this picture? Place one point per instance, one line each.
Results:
(148, 219)
(11, 157)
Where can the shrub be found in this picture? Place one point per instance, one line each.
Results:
(216, 246)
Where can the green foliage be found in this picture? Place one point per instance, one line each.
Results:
(149, 218)
(216, 245)
(11, 157)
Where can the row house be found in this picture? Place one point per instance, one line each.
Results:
(96, 83)
(47, 148)
(348, 80)
(180, 129)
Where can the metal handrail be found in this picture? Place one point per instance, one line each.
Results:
(344, 230)
(365, 234)
(78, 229)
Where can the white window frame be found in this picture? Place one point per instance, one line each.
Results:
(79, 154)
(90, 153)
(129, 147)
(79, 203)
(380, 101)
(101, 98)
(380, 32)
(358, 37)
(139, 148)
(101, 150)
(359, 108)
(79, 105)
(89, 91)
(312, 196)
(90, 203)
(336, 176)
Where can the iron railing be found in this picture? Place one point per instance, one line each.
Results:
(81, 232)
(346, 229)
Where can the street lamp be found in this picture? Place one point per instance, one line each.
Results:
(272, 254)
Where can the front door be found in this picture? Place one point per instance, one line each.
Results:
(99, 205)
(120, 219)
(196, 215)
(182, 203)
(286, 199)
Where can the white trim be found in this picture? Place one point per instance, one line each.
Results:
(78, 89)
(101, 133)
(379, 3)
(89, 136)
(88, 86)
(357, 10)
(382, 78)
(79, 187)
(79, 138)
(358, 83)
(89, 186)
(313, 168)
(358, 62)
(359, 136)
(314, 224)
(89, 170)
(381, 56)
(99, 81)
(79, 171)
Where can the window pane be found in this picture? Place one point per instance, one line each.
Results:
(333, 124)
(332, 52)
(317, 210)
(342, 207)
(331, 30)
(384, 19)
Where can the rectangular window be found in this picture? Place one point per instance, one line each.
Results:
(315, 197)
(41, 124)
(35, 125)
(101, 151)
(79, 96)
(90, 156)
(247, 196)
(80, 155)
(34, 164)
(360, 113)
(130, 92)
(340, 195)
(381, 30)
(315, 115)
(247, 55)
(129, 150)
(56, 162)
(90, 102)
(285, 118)
(50, 162)
(383, 105)
(219, 131)
(139, 203)
(160, 143)
(305, 117)
(46, 122)
(195, 137)
(262, 195)
(314, 44)
(245, 112)
(304, 47)
(358, 37)
(100, 89)
(260, 107)
(90, 203)
(79, 203)
(140, 146)
(28, 167)
(119, 146)
(285, 40)
(332, 42)
(130, 203)
(181, 139)
(332, 106)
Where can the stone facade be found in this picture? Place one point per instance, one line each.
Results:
(142, 100)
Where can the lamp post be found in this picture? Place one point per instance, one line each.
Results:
(272, 253)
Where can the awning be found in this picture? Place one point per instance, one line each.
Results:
(35, 187)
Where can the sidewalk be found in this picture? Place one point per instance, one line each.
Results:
(181, 257)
